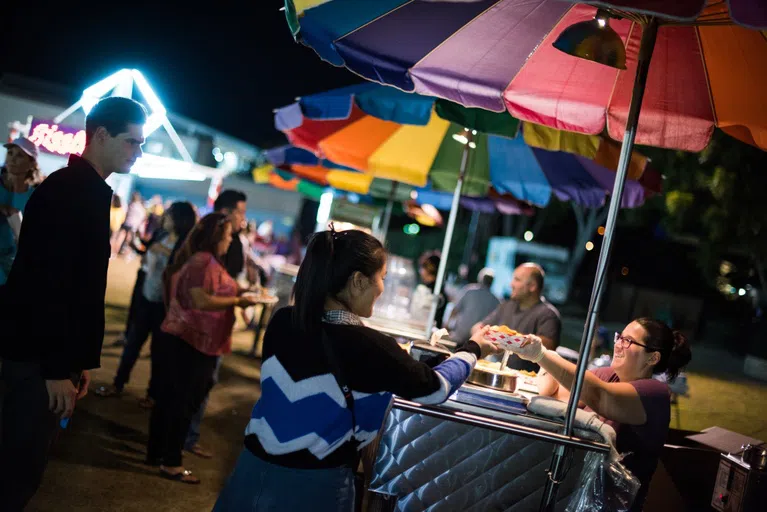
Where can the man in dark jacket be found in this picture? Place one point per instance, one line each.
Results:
(52, 306)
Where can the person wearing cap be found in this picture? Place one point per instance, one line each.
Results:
(474, 303)
(59, 274)
(17, 179)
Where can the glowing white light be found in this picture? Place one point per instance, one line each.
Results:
(99, 89)
(461, 138)
(472, 145)
(88, 103)
(742, 292)
(323, 212)
(589, 246)
(151, 98)
(157, 167)
(602, 22)
(529, 236)
(430, 210)
(153, 122)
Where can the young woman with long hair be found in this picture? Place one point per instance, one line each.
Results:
(326, 383)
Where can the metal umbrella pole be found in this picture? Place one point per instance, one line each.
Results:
(469, 134)
(468, 249)
(557, 470)
(388, 211)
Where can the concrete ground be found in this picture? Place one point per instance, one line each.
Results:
(96, 463)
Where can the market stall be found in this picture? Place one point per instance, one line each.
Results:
(376, 140)
(528, 69)
(481, 450)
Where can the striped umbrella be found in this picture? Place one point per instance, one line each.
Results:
(391, 135)
(708, 69)
(304, 165)
(690, 65)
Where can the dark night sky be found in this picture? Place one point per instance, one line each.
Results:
(226, 64)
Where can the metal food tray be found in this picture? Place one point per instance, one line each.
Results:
(491, 399)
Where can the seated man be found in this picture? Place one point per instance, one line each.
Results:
(527, 312)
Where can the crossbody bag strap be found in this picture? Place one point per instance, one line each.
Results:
(335, 369)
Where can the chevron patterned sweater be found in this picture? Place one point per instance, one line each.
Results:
(301, 419)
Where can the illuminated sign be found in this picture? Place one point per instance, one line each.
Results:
(57, 139)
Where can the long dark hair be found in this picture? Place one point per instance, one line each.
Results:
(673, 346)
(204, 237)
(332, 257)
(184, 218)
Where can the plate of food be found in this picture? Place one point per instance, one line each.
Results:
(505, 337)
(261, 298)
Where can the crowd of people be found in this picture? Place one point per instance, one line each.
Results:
(326, 378)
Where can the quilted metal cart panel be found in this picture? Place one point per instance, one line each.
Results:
(435, 465)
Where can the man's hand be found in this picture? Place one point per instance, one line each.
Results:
(62, 395)
(85, 381)
(7, 211)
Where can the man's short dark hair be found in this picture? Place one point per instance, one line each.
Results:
(114, 114)
(487, 280)
(228, 199)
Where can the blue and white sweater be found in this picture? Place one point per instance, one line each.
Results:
(302, 420)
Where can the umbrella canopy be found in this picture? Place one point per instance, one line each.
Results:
(361, 127)
(708, 69)
(302, 165)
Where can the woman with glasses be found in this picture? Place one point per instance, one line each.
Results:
(624, 394)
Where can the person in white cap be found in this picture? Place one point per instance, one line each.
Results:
(17, 179)
(60, 275)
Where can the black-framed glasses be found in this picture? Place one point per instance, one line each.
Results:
(625, 342)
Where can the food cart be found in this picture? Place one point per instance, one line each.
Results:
(480, 450)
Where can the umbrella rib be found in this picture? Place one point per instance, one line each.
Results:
(708, 81)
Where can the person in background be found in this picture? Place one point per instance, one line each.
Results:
(155, 211)
(625, 393)
(300, 454)
(177, 222)
(428, 267)
(196, 332)
(134, 219)
(527, 312)
(296, 248)
(140, 247)
(116, 218)
(475, 302)
(18, 178)
(233, 204)
(63, 254)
